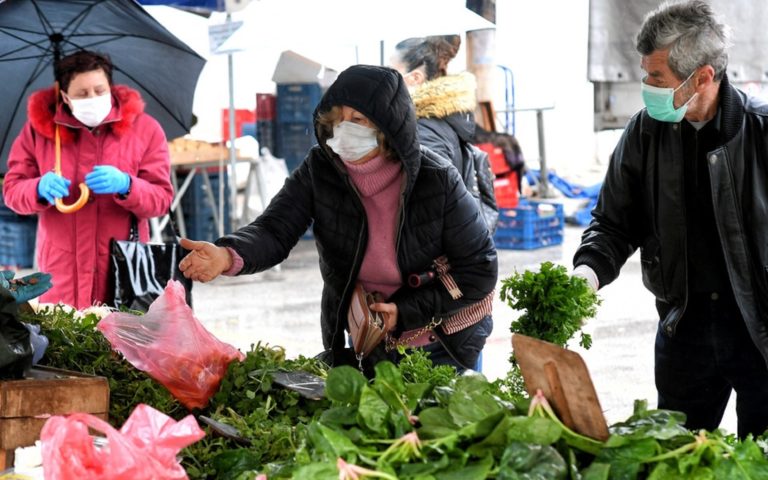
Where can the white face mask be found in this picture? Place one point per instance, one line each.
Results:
(351, 141)
(92, 111)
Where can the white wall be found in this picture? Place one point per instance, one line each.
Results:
(544, 42)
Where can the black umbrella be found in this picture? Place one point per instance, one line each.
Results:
(33, 33)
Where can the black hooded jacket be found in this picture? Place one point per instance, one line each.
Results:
(642, 205)
(437, 215)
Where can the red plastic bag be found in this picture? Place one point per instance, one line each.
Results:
(145, 448)
(172, 346)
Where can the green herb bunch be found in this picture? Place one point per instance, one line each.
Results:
(75, 344)
(272, 419)
(555, 304)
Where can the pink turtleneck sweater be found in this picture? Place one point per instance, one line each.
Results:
(379, 181)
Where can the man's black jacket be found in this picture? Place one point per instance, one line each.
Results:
(642, 205)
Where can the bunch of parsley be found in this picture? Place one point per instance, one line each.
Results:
(555, 304)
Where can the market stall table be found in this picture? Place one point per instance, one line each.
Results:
(198, 158)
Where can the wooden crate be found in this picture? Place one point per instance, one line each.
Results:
(25, 404)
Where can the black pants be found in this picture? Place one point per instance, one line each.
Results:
(710, 355)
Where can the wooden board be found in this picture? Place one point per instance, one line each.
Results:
(190, 152)
(25, 404)
(563, 378)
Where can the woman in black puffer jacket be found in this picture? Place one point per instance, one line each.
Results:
(432, 216)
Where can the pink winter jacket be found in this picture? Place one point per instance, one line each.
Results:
(74, 247)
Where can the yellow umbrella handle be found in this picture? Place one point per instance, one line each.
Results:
(84, 192)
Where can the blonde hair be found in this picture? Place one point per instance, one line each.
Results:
(328, 119)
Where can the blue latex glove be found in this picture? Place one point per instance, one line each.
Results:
(25, 288)
(108, 179)
(52, 186)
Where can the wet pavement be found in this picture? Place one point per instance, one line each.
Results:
(281, 307)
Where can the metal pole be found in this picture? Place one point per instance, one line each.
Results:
(232, 151)
(544, 181)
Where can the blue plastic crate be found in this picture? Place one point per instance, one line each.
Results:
(17, 241)
(293, 141)
(4, 210)
(198, 213)
(297, 101)
(265, 134)
(530, 225)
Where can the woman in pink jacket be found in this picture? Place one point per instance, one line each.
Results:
(108, 143)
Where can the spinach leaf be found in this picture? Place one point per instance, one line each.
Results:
(537, 430)
(330, 442)
(344, 385)
(436, 422)
(373, 411)
(522, 461)
(318, 471)
(471, 471)
(340, 416)
(596, 471)
(472, 401)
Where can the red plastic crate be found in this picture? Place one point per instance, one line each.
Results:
(265, 106)
(505, 188)
(496, 157)
(242, 116)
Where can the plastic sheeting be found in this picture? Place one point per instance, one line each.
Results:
(613, 26)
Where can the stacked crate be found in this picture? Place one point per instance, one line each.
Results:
(198, 212)
(505, 186)
(17, 238)
(265, 120)
(294, 131)
(530, 225)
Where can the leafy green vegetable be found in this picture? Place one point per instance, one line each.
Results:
(75, 344)
(344, 385)
(410, 422)
(555, 304)
(416, 367)
(522, 461)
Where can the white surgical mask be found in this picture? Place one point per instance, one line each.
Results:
(92, 111)
(351, 141)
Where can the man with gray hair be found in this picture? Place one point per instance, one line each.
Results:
(688, 185)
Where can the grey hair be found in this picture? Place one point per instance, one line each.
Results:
(692, 33)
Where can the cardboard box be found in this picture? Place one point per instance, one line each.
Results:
(295, 68)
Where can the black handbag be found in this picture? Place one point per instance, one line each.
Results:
(140, 271)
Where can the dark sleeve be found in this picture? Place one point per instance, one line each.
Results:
(268, 240)
(471, 256)
(612, 236)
